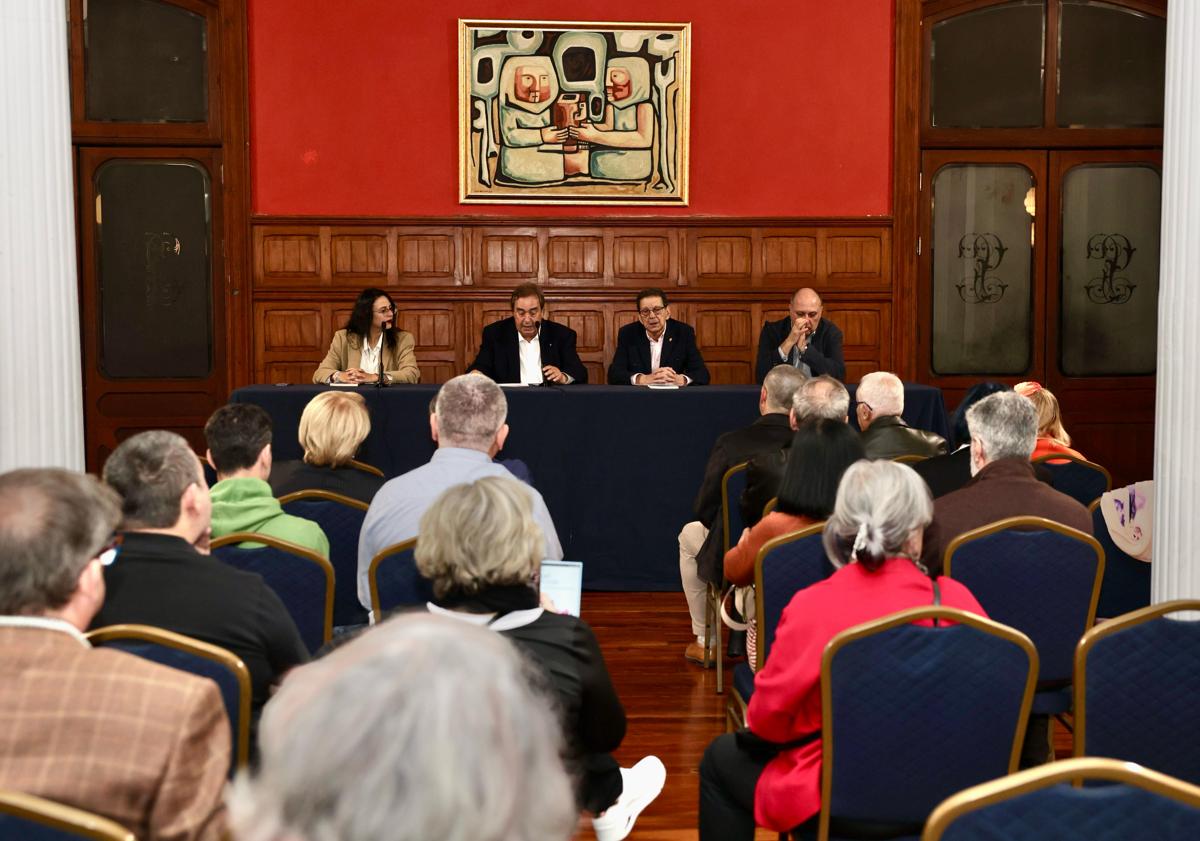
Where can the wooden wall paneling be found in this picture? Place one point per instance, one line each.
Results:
(576, 257)
(592, 340)
(720, 256)
(292, 339)
(788, 259)
(643, 257)
(430, 256)
(857, 258)
(361, 257)
(724, 335)
(437, 335)
(509, 256)
(290, 256)
(864, 327)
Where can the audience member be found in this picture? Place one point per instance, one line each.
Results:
(419, 729)
(1052, 437)
(879, 404)
(874, 536)
(482, 550)
(140, 743)
(1003, 430)
(802, 339)
(468, 425)
(704, 537)
(332, 428)
(239, 449)
(657, 350)
(160, 579)
(819, 397)
(949, 472)
(819, 455)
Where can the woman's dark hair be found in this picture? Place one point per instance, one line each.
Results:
(959, 434)
(359, 323)
(821, 451)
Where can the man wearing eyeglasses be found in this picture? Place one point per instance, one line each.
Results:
(804, 340)
(527, 347)
(657, 349)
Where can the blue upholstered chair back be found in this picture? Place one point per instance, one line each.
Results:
(1080, 480)
(394, 580)
(1139, 681)
(733, 483)
(1126, 585)
(785, 566)
(217, 664)
(914, 713)
(341, 519)
(1041, 804)
(24, 817)
(302, 579)
(1039, 577)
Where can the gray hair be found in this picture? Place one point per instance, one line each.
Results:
(879, 506)
(883, 392)
(478, 535)
(781, 383)
(151, 471)
(424, 727)
(1006, 424)
(52, 524)
(821, 397)
(470, 410)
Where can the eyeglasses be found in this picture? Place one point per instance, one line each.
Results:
(866, 406)
(112, 547)
(385, 310)
(646, 312)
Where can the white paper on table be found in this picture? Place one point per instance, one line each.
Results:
(343, 385)
(513, 385)
(662, 386)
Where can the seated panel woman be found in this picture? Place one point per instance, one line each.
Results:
(874, 537)
(354, 352)
(332, 428)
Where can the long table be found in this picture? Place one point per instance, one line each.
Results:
(618, 466)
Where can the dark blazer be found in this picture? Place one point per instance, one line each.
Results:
(946, 473)
(679, 353)
(500, 359)
(889, 436)
(291, 476)
(823, 355)
(162, 581)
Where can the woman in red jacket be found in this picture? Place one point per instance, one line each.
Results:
(874, 536)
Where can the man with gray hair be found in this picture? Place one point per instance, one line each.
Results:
(139, 743)
(702, 541)
(160, 577)
(879, 404)
(468, 424)
(1003, 431)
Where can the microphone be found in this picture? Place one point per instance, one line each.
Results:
(381, 382)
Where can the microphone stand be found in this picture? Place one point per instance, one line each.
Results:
(381, 382)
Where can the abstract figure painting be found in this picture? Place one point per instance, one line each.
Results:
(573, 113)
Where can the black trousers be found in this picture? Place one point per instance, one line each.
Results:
(598, 782)
(728, 776)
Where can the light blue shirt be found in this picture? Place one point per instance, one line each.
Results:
(396, 511)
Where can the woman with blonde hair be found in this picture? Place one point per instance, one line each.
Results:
(332, 428)
(1052, 437)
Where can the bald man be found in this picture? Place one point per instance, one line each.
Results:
(804, 340)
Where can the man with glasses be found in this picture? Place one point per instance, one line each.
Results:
(657, 350)
(804, 340)
(527, 347)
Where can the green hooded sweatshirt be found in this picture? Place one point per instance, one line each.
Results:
(248, 505)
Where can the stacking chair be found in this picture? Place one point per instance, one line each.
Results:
(1041, 805)
(394, 580)
(1126, 585)
(24, 817)
(341, 518)
(1041, 578)
(200, 658)
(363, 466)
(784, 567)
(301, 578)
(732, 485)
(912, 714)
(909, 458)
(1077, 478)
(1137, 678)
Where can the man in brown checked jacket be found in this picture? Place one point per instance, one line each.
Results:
(101, 730)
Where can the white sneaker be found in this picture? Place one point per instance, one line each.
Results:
(640, 785)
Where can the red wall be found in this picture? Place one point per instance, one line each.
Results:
(353, 105)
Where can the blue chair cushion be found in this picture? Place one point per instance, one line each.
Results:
(743, 681)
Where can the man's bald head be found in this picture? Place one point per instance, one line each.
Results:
(806, 305)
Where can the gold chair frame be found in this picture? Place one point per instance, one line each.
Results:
(59, 816)
(373, 573)
(326, 496)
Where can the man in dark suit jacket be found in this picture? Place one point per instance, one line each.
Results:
(656, 350)
(804, 340)
(527, 348)
(703, 539)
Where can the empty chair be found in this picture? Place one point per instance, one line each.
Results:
(394, 581)
(733, 483)
(1077, 478)
(191, 655)
(1126, 585)
(341, 518)
(303, 580)
(1137, 678)
(24, 817)
(1041, 804)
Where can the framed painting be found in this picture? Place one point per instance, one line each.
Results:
(552, 112)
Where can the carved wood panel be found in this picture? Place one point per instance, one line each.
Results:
(644, 258)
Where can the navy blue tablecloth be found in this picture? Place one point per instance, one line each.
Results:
(618, 466)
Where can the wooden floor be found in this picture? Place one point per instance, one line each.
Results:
(672, 705)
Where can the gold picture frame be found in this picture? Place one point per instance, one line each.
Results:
(580, 112)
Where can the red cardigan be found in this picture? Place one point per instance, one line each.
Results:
(739, 561)
(1049, 447)
(786, 703)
